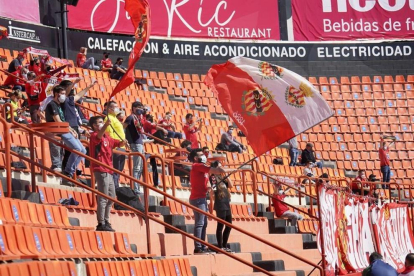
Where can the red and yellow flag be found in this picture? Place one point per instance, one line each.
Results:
(140, 13)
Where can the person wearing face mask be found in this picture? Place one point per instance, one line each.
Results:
(33, 89)
(35, 66)
(229, 142)
(281, 209)
(16, 63)
(199, 179)
(384, 156)
(357, 183)
(167, 124)
(106, 63)
(118, 71)
(54, 113)
(17, 79)
(100, 148)
(190, 130)
(116, 132)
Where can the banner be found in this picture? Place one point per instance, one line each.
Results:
(270, 104)
(122, 45)
(392, 228)
(315, 20)
(23, 10)
(222, 19)
(352, 231)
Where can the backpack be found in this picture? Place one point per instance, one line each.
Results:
(130, 197)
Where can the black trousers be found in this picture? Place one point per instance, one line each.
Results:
(223, 236)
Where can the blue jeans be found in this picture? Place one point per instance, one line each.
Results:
(118, 161)
(319, 164)
(200, 221)
(294, 154)
(137, 165)
(386, 175)
(70, 141)
(172, 134)
(90, 64)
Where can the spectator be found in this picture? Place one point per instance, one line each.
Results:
(377, 267)
(71, 112)
(121, 116)
(105, 111)
(106, 63)
(155, 130)
(83, 62)
(308, 155)
(357, 184)
(199, 188)
(221, 205)
(100, 148)
(409, 265)
(15, 98)
(169, 126)
(190, 130)
(281, 209)
(229, 142)
(384, 156)
(35, 66)
(54, 113)
(16, 63)
(33, 89)
(134, 133)
(118, 71)
(84, 118)
(293, 151)
(180, 169)
(308, 172)
(116, 132)
(206, 152)
(17, 79)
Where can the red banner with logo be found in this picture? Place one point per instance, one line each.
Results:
(24, 10)
(315, 20)
(227, 19)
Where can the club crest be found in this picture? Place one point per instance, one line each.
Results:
(257, 101)
(296, 97)
(140, 32)
(3, 32)
(270, 71)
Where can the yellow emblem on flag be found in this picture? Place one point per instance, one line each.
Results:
(270, 71)
(296, 97)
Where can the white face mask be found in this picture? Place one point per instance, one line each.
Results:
(203, 159)
(100, 126)
(62, 98)
(116, 110)
(280, 192)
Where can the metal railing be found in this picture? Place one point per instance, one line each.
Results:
(33, 163)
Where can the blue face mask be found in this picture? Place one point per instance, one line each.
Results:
(139, 112)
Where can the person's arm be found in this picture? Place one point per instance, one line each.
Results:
(56, 118)
(102, 131)
(161, 128)
(81, 94)
(229, 183)
(382, 143)
(120, 69)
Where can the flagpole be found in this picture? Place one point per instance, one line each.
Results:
(242, 165)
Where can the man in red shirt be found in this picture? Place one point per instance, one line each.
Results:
(16, 79)
(35, 66)
(281, 209)
(106, 63)
(357, 183)
(84, 62)
(200, 185)
(33, 91)
(169, 126)
(384, 157)
(100, 148)
(190, 130)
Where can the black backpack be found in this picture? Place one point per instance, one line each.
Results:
(130, 197)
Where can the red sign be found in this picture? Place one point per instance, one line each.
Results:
(24, 10)
(227, 19)
(352, 19)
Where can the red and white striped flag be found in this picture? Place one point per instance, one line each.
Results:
(269, 103)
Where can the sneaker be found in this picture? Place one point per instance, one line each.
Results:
(200, 251)
(56, 169)
(209, 251)
(228, 250)
(104, 227)
(108, 226)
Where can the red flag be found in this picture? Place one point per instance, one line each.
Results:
(140, 13)
(269, 103)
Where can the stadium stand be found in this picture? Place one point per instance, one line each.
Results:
(364, 107)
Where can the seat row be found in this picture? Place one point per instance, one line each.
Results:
(37, 268)
(25, 242)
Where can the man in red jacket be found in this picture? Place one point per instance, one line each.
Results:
(281, 209)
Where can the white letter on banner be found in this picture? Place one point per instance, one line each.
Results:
(327, 5)
(369, 4)
(90, 43)
(385, 4)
